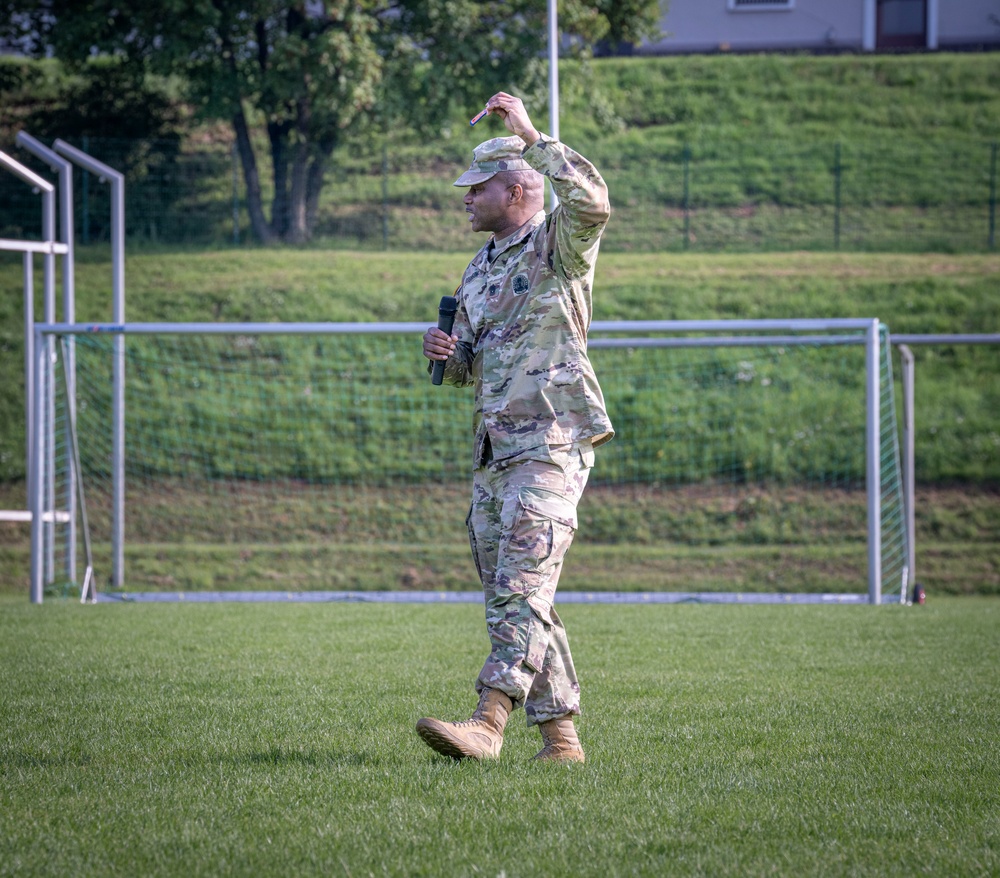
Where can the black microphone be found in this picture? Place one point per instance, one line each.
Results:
(446, 320)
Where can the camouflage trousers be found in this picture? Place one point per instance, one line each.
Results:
(521, 523)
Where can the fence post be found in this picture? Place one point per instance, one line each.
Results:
(993, 197)
(236, 196)
(385, 194)
(686, 161)
(837, 173)
(85, 197)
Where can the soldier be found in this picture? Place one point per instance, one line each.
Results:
(520, 337)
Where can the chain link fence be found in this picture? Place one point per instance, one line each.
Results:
(722, 196)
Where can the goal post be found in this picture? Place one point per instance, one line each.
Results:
(289, 452)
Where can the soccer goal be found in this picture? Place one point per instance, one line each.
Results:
(750, 457)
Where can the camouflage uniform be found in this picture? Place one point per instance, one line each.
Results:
(524, 311)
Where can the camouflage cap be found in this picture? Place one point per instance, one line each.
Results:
(493, 156)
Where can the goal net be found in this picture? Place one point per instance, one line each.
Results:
(318, 458)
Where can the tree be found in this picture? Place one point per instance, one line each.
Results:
(466, 50)
(309, 71)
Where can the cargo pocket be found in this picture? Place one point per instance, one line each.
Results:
(544, 528)
(473, 544)
(537, 644)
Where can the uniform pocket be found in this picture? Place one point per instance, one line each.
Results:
(473, 544)
(544, 504)
(536, 645)
(542, 531)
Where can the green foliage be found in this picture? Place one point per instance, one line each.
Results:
(956, 388)
(278, 740)
(308, 73)
(125, 121)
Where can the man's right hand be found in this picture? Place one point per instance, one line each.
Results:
(438, 345)
(514, 115)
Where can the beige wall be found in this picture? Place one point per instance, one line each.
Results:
(968, 21)
(709, 25)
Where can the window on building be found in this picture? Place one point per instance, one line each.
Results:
(759, 5)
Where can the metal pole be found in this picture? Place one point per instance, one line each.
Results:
(837, 172)
(553, 82)
(49, 287)
(36, 474)
(932, 24)
(118, 381)
(85, 197)
(117, 183)
(909, 471)
(29, 362)
(686, 159)
(993, 197)
(873, 475)
(868, 15)
(35, 435)
(66, 233)
(767, 325)
(385, 191)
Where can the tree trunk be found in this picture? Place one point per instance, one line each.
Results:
(298, 231)
(278, 136)
(314, 181)
(255, 206)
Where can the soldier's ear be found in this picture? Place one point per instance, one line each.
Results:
(516, 193)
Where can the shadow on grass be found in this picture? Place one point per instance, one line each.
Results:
(279, 756)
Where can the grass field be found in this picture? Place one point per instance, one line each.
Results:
(228, 739)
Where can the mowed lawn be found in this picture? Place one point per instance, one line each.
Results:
(273, 739)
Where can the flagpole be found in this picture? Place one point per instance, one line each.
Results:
(553, 82)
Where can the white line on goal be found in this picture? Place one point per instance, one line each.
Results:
(58, 516)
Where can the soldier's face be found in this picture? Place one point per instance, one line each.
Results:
(487, 205)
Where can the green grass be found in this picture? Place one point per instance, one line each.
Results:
(275, 739)
(911, 293)
(915, 134)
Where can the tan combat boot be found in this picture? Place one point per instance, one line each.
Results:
(479, 737)
(561, 742)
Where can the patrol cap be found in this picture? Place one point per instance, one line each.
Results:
(491, 157)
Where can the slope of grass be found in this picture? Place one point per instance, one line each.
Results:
(743, 153)
(911, 293)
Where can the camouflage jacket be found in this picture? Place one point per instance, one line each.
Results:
(523, 318)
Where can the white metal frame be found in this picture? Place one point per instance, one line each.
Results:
(64, 169)
(825, 331)
(116, 181)
(39, 402)
(42, 530)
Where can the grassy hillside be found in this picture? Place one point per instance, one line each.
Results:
(801, 97)
(669, 542)
(911, 293)
(704, 153)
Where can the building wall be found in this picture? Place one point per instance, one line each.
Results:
(711, 25)
(967, 22)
